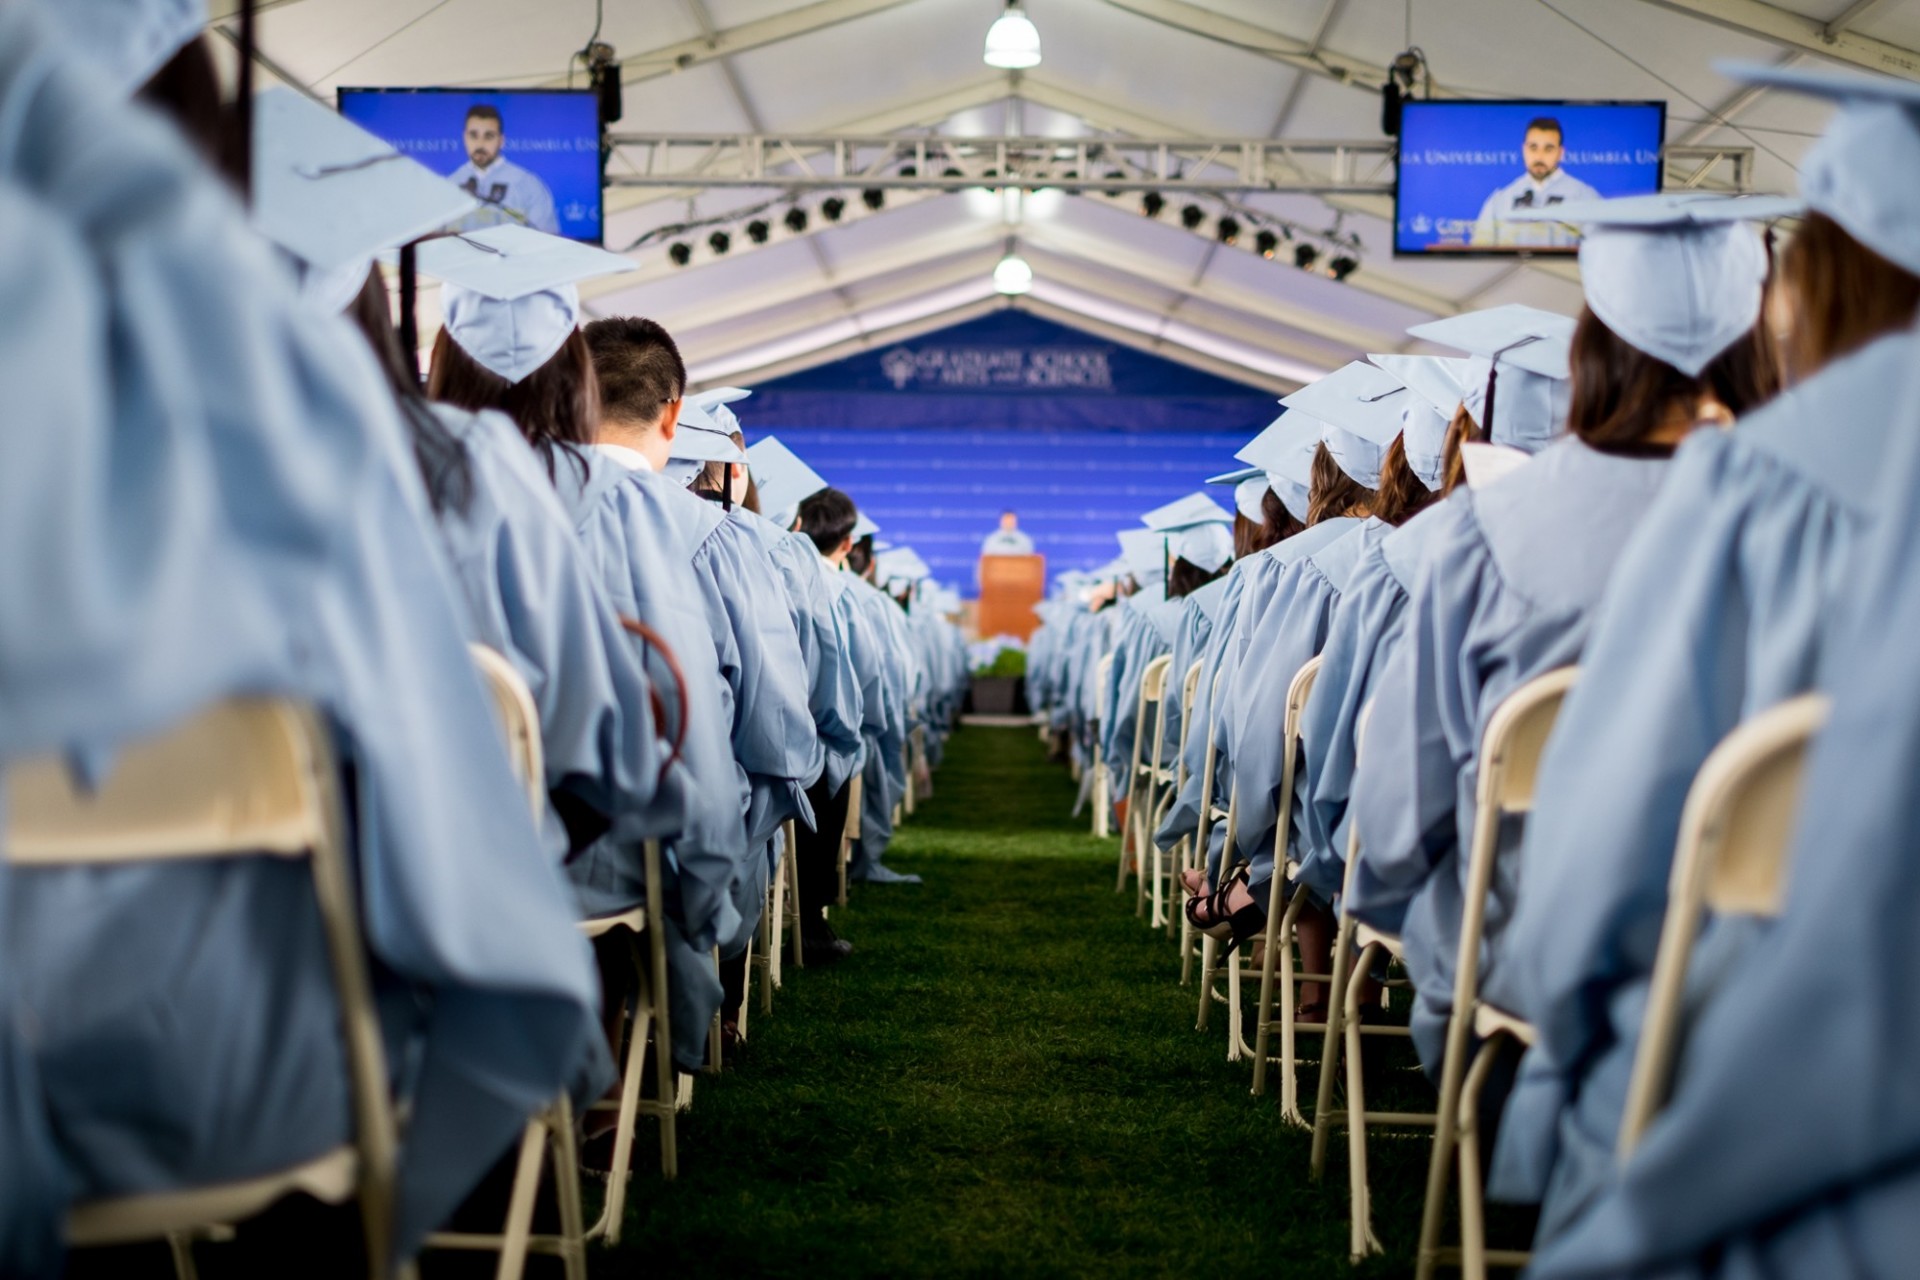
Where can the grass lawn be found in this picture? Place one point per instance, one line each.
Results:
(1004, 1079)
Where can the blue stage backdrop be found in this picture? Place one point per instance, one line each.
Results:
(935, 437)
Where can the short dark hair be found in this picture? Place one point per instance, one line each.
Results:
(485, 111)
(828, 518)
(639, 365)
(556, 406)
(860, 559)
(1547, 124)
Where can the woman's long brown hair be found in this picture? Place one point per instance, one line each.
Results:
(1334, 492)
(1843, 295)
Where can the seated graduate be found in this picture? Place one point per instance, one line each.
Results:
(1510, 576)
(270, 538)
(757, 651)
(826, 517)
(529, 593)
(1363, 405)
(885, 773)
(1346, 472)
(523, 356)
(1787, 1144)
(1285, 453)
(1366, 625)
(1724, 604)
(841, 667)
(706, 456)
(1190, 536)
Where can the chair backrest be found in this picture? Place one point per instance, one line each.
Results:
(519, 720)
(1509, 762)
(1101, 674)
(245, 777)
(1153, 679)
(1299, 689)
(1730, 858)
(1147, 726)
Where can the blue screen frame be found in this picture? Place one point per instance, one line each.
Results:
(555, 133)
(1623, 139)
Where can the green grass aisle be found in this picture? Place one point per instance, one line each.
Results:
(1003, 1080)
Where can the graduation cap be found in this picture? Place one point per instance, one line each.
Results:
(1360, 404)
(1439, 385)
(1677, 276)
(510, 300)
(333, 195)
(716, 401)
(783, 479)
(866, 528)
(1284, 451)
(1517, 390)
(1864, 172)
(698, 440)
(1236, 476)
(1195, 529)
(901, 564)
(1143, 555)
(127, 39)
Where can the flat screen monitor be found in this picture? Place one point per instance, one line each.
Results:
(1464, 164)
(530, 156)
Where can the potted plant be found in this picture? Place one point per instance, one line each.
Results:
(999, 685)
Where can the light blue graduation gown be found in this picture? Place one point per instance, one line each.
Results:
(1366, 629)
(833, 687)
(531, 597)
(884, 776)
(243, 423)
(1290, 632)
(1147, 628)
(1198, 611)
(1789, 1144)
(1183, 818)
(866, 657)
(1504, 592)
(1723, 605)
(630, 543)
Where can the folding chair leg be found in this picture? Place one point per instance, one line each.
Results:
(180, 1243)
(746, 1002)
(1289, 1032)
(1446, 1128)
(566, 1182)
(627, 1118)
(1331, 1044)
(1207, 970)
(526, 1189)
(1473, 1224)
(1277, 944)
(1360, 1238)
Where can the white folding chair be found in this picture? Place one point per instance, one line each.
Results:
(552, 1130)
(1102, 795)
(1347, 1030)
(1736, 835)
(243, 778)
(856, 801)
(1170, 781)
(1196, 851)
(1142, 775)
(782, 901)
(1282, 916)
(1509, 762)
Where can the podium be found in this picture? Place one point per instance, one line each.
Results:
(1009, 588)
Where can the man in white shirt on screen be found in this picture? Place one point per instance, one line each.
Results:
(1544, 183)
(507, 192)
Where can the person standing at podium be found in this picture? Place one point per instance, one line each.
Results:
(1007, 540)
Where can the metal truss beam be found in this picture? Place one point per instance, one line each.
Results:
(1792, 31)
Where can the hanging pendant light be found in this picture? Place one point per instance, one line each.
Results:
(1013, 276)
(1013, 42)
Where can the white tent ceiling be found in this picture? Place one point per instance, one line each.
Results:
(1287, 69)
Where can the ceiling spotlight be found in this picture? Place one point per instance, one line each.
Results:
(1265, 242)
(758, 230)
(1304, 256)
(719, 242)
(909, 171)
(1013, 42)
(1152, 203)
(832, 207)
(680, 252)
(1013, 276)
(1229, 230)
(1343, 266)
(1192, 216)
(873, 198)
(1112, 175)
(796, 220)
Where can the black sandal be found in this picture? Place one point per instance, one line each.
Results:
(1248, 922)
